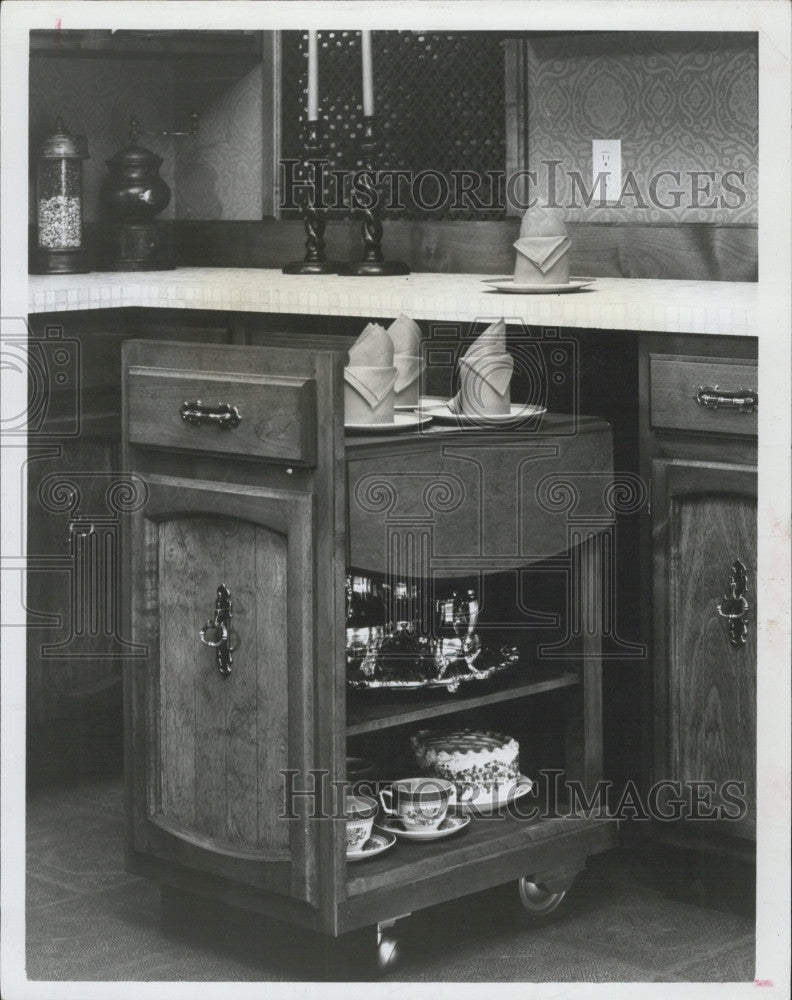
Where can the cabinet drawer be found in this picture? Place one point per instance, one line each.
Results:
(675, 384)
(277, 413)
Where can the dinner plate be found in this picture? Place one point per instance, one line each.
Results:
(401, 422)
(376, 844)
(422, 404)
(517, 413)
(449, 826)
(489, 802)
(508, 285)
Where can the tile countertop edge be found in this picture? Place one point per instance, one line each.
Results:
(636, 304)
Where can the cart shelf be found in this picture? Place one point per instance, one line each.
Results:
(370, 711)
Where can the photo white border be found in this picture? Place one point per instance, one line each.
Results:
(771, 19)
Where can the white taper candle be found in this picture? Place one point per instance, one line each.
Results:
(313, 76)
(368, 74)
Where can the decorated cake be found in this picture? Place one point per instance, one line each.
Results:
(478, 762)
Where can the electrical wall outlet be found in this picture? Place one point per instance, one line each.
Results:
(606, 159)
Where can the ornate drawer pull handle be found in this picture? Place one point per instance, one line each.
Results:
(734, 607)
(224, 415)
(744, 400)
(217, 633)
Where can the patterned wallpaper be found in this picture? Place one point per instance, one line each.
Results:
(95, 97)
(218, 171)
(678, 101)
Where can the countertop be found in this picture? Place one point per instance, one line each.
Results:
(698, 307)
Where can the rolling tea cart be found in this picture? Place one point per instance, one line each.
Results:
(247, 506)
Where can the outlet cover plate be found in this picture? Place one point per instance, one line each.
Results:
(606, 159)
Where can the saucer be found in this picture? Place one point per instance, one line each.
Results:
(489, 802)
(376, 844)
(518, 412)
(508, 285)
(401, 422)
(449, 826)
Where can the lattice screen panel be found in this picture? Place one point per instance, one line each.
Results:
(438, 101)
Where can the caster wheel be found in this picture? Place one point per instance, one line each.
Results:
(538, 901)
(387, 952)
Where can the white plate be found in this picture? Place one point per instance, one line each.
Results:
(488, 802)
(517, 413)
(401, 422)
(423, 403)
(449, 826)
(508, 285)
(376, 844)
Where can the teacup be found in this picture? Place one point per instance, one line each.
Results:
(419, 803)
(360, 811)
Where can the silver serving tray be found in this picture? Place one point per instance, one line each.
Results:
(508, 657)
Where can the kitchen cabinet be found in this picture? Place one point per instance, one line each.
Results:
(265, 523)
(700, 448)
(75, 643)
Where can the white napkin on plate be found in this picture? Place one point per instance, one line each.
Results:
(542, 249)
(406, 336)
(485, 373)
(369, 378)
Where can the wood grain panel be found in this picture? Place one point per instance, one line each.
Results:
(269, 589)
(240, 718)
(673, 385)
(179, 563)
(690, 251)
(479, 495)
(277, 413)
(713, 693)
(219, 814)
(213, 538)
(224, 739)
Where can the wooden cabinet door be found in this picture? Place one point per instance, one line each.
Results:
(210, 750)
(705, 694)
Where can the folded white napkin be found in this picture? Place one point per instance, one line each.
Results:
(406, 337)
(369, 378)
(485, 373)
(542, 249)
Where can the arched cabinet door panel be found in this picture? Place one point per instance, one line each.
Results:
(221, 704)
(705, 634)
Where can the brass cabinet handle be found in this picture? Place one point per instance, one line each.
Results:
(217, 633)
(224, 415)
(734, 607)
(743, 400)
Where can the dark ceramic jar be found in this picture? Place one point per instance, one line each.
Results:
(133, 191)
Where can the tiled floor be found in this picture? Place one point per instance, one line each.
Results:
(631, 917)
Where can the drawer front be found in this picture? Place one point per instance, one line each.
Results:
(277, 413)
(675, 384)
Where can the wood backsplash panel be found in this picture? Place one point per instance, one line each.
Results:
(681, 252)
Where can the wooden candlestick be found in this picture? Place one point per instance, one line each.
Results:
(315, 260)
(373, 264)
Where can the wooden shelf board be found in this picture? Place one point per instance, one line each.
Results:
(363, 717)
(484, 839)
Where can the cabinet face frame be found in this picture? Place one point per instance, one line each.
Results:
(673, 480)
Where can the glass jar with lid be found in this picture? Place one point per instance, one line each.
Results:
(59, 204)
